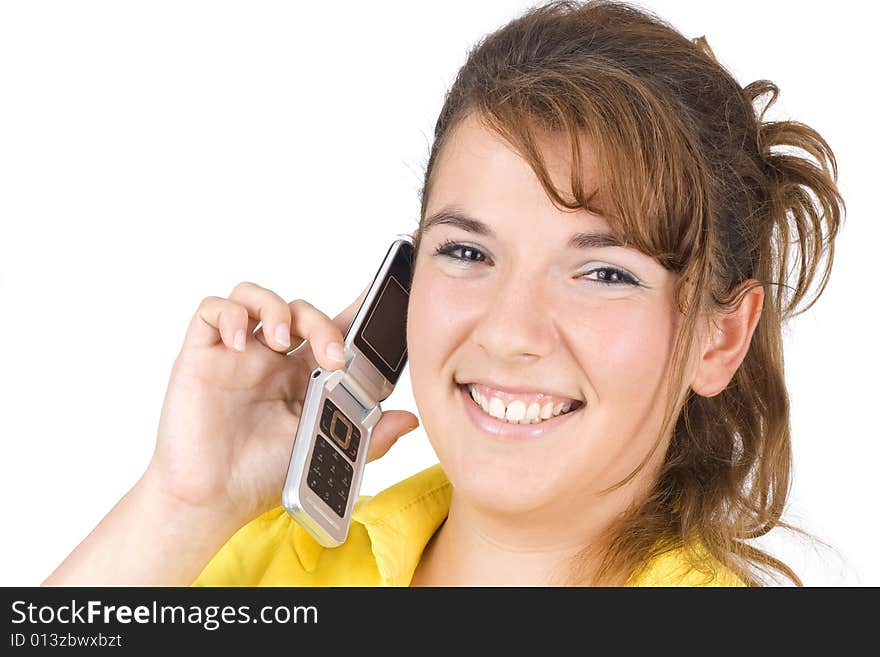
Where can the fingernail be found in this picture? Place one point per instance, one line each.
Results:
(238, 340)
(282, 335)
(410, 429)
(334, 350)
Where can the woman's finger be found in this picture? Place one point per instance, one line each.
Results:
(319, 330)
(215, 320)
(391, 426)
(272, 312)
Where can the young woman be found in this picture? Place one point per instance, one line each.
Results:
(609, 243)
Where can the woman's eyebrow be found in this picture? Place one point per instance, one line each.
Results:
(454, 217)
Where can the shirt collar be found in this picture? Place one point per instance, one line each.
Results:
(402, 519)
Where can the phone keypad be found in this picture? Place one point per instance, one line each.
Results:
(330, 475)
(351, 450)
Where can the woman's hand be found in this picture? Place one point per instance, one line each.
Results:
(225, 436)
(234, 400)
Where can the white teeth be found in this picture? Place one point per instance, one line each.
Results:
(533, 412)
(496, 408)
(517, 412)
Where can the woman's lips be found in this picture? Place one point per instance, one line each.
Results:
(507, 430)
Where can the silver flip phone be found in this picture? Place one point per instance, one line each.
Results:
(341, 407)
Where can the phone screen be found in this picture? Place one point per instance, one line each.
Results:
(382, 336)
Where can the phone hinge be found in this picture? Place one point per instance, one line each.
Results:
(357, 392)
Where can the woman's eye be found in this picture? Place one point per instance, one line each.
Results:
(467, 253)
(610, 276)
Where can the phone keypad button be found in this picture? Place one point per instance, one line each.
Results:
(352, 450)
(330, 475)
(327, 417)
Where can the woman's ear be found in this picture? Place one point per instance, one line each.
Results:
(727, 343)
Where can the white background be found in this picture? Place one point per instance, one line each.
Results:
(153, 153)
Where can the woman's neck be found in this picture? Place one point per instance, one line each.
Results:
(476, 547)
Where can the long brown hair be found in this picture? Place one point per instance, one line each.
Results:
(691, 174)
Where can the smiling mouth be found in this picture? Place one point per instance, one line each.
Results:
(534, 411)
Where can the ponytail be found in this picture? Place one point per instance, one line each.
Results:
(806, 207)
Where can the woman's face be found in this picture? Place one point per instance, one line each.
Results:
(510, 301)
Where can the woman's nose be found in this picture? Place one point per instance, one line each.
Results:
(517, 322)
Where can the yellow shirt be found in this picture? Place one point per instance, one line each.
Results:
(388, 533)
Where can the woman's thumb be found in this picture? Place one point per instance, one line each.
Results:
(391, 426)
